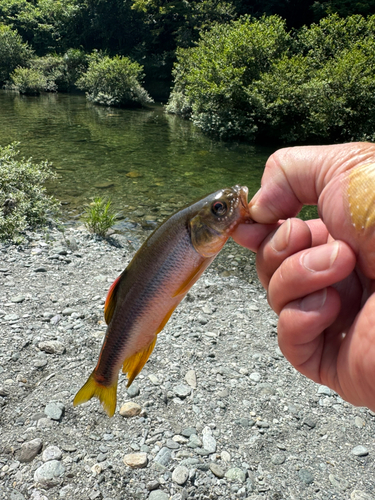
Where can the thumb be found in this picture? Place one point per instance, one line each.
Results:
(339, 179)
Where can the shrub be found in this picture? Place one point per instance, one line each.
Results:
(29, 81)
(13, 52)
(212, 78)
(114, 82)
(99, 217)
(23, 199)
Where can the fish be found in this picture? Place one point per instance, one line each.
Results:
(142, 299)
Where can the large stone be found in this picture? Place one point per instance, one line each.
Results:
(180, 475)
(163, 457)
(52, 347)
(236, 475)
(158, 495)
(49, 474)
(51, 453)
(130, 409)
(217, 470)
(136, 460)
(54, 410)
(29, 450)
(360, 451)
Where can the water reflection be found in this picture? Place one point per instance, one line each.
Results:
(147, 161)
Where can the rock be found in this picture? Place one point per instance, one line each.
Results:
(209, 443)
(338, 482)
(360, 451)
(324, 390)
(217, 470)
(360, 495)
(306, 476)
(55, 410)
(52, 347)
(182, 391)
(51, 453)
(11, 317)
(68, 311)
(17, 299)
(236, 475)
(158, 495)
(359, 422)
(49, 474)
(29, 450)
(278, 458)
(16, 495)
(134, 175)
(191, 379)
(310, 422)
(154, 379)
(180, 475)
(188, 431)
(163, 457)
(255, 376)
(172, 444)
(136, 460)
(225, 456)
(133, 390)
(152, 485)
(130, 409)
(194, 441)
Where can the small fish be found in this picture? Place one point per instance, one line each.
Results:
(142, 299)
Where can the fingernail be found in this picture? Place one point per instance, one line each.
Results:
(314, 301)
(320, 258)
(280, 239)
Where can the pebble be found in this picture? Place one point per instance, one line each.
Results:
(278, 458)
(11, 317)
(164, 456)
(182, 390)
(154, 379)
(17, 299)
(360, 451)
(305, 476)
(180, 475)
(324, 390)
(52, 347)
(338, 482)
(133, 390)
(236, 475)
(225, 456)
(16, 495)
(217, 470)
(55, 410)
(136, 460)
(49, 474)
(130, 409)
(51, 453)
(360, 495)
(29, 450)
(158, 495)
(255, 376)
(68, 311)
(209, 443)
(172, 444)
(188, 431)
(359, 422)
(152, 485)
(194, 441)
(191, 379)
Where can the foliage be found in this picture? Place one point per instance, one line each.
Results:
(29, 81)
(13, 52)
(212, 78)
(23, 200)
(252, 80)
(99, 216)
(114, 82)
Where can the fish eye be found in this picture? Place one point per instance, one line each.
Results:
(219, 208)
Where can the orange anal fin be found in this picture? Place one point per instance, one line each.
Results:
(106, 395)
(110, 301)
(193, 278)
(133, 365)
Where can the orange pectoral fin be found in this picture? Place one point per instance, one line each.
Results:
(133, 365)
(110, 301)
(193, 278)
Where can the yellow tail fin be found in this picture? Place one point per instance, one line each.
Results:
(133, 365)
(106, 395)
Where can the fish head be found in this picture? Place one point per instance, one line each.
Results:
(217, 217)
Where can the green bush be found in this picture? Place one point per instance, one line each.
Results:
(23, 200)
(212, 78)
(98, 217)
(114, 82)
(29, 81)
(13, 52)
(251, 79)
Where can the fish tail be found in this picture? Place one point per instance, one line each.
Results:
(107, 395)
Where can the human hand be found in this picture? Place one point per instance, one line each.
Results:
(320, 274)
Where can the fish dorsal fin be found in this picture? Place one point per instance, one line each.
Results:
(134, 364)
(110, 301)
(194, 276)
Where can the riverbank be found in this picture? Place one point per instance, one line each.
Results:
(218, 412)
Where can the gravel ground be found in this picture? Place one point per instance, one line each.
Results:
(217, 412)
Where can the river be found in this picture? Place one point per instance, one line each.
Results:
(145, 160)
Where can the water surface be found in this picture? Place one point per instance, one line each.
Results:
(148, 162)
